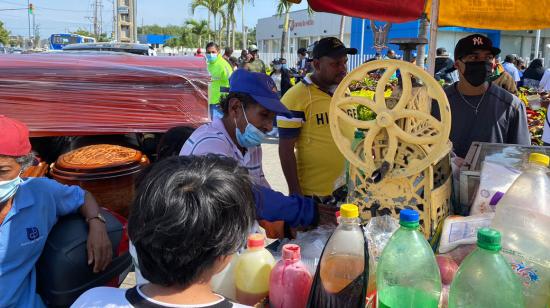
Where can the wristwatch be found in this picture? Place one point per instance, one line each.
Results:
(99, 216)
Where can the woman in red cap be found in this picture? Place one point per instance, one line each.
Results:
(29, 208)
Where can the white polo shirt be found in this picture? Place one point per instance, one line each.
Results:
(212, 138)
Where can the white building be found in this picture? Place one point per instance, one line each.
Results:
(304, 29)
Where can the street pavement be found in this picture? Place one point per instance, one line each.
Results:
(273, 174)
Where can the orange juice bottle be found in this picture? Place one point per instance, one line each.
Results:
(252, 272)
(344, 258)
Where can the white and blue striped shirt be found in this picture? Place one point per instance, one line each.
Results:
(212, 138)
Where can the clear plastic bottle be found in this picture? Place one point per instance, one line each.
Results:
(523, 218)
(484, 278)
(344, 257)
(252, 271)
(290, 280)
(407, 275)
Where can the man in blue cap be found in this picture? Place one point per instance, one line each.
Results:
(248, 113)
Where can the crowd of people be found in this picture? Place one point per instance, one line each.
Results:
(194, 207)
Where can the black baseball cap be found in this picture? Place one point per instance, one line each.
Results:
(331, 47)
(473, 42)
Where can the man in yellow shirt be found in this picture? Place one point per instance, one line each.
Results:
(317, 163)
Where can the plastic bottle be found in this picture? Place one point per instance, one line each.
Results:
(344, 257)
(252, 272)
(523, 218)
(407, 274)
(290, 280)
(485, 279)
(223, 282)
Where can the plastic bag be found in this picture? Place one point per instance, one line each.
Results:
(311, 245)
(378, 232)
(459, 230)
(494, 178)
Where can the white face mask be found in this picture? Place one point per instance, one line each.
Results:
(9, 188)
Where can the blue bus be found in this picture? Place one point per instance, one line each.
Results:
(58, 41)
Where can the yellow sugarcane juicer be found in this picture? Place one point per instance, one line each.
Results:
(401, 159)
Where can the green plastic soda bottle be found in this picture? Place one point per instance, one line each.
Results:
(407, 275)
(485, 279)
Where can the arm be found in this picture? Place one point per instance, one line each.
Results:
(100, 251)
(294, 210)
(288, 163)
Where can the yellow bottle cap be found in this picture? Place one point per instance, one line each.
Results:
(349, 211)
(539, 158)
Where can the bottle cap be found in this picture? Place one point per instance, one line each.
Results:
(255, 240)
(291, 252)
(489, 239)
(539, 158)
(409, 218)
(349, 211)
(359, 134)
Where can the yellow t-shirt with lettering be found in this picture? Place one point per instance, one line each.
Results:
(319, 162)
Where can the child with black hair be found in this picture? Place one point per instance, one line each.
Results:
(190, 215)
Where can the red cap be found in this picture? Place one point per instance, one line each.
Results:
(199, 50)
(255, 240)
(291, 252)
(14, 137)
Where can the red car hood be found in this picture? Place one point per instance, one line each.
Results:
(77, 94)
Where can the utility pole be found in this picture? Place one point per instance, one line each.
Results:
(98, 18)
(114, 35)
(29, 18)
(34, 32)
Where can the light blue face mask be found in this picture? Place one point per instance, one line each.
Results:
(211, 57)
(252, 136)
(8, 188)
(285, 66)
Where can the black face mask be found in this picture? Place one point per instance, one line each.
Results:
(476, 73)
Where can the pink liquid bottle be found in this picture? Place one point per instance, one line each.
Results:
(290, 281)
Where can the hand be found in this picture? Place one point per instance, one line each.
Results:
(100, 251)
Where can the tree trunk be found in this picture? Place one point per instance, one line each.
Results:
(233, 26)
(243, 26)
(342, 27)
(215, 29)
(284, 38)
(200, 40)
(422, 33)
(228, 23)
(209, 28)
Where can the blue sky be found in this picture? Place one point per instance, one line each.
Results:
(58, 16)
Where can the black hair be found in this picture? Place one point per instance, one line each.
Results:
(214, 45)
(302, 51)
(172, 141)
(509, 59)
(188, 212)
(440, 51)
(244, 98)
(228, 51)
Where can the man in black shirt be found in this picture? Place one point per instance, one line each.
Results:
(444, 66)
(480, 110)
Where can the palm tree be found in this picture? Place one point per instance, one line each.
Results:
(284, 8)
(198, 28)
(230, 6)
(205, 4)
(214, 8)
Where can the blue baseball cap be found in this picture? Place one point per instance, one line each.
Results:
(260, 87)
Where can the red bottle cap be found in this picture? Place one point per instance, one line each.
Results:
(255, 240)
(291, 252)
